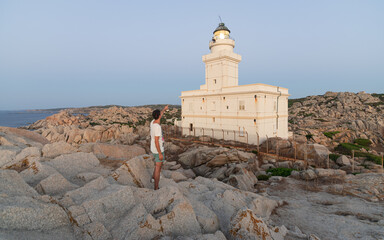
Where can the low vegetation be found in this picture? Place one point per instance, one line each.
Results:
(309, 136)
(369, 157)
(346, 148)
(331, 134)
(334, 156)
(363, 142)
(94, 123)
(263, 177)
(284, 172)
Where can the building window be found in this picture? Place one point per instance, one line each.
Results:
(190, 127)
(224, 98)
(227, 107)
(213, 119)
(241, 105)
(254, 121)
(203, 99)
(255, 98)
(214, 80)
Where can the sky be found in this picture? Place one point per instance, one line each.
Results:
(84, 53)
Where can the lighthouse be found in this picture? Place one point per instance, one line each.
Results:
(221, 64)
(250, 113)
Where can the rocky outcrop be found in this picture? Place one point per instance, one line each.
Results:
(23, 212)
(117, 151)
(352, 115)
(320, 173)
(315, 154)
(100, 125)
(228, 165)
(56, 149)
(74, 196)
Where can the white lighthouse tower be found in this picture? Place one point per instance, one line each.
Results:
(221, 65)
(223, 109)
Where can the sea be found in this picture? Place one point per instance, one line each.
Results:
(22, 118)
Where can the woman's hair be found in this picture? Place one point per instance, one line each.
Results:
(156, 114)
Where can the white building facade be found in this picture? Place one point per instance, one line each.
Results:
(226, 110)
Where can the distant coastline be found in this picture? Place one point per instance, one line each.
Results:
(23, 118)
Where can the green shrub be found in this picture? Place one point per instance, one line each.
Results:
(346, 148)
(363, 142)
(309, 136)
(369, 156)
(255, 152)
(284, 172)
(94, 123)
(331, 134)
(334, 156)
(263, 177)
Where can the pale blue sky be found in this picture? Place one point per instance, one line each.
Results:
(77, 53)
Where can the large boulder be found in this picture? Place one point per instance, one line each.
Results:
(195, 157)
(32, 138)
(69, 165)
(330, 173)
(136, 172)
(174, 212)
(178, 176)
(26, 215)
(208, 220)
(316, 154)
(246, 225)
(128, 138)
(243, 179)
(117, 152)
(218, 161)
(110, 204)
(58, 148)
(343, 160)
(137, 224)
(224, 201)
(54, 185)
(12, 184)
(28, 153)
(171, 148)
(91, 135)
(6, 156)
(90, 189)
(213, 157)
(36, 171)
